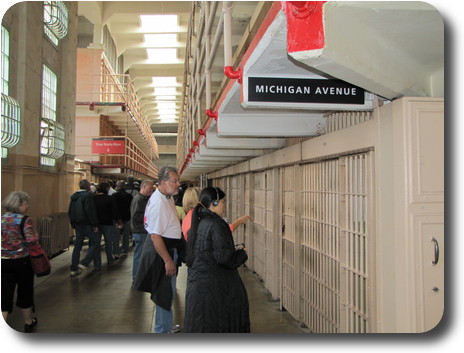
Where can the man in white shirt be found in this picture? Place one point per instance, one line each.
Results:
(157, 268)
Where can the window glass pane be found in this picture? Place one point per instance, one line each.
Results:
(11, 110)
(49, 89)
(56, 18)
(51, 35)
(52, 134)
(5, 60)
(11, 121)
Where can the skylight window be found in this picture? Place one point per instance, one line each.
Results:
(166, 105)
(164, 91)
(160, 40)
(162, 56)
(165, 98)
(168, 118)
(165, 111)
(169, 81)
(159, 23)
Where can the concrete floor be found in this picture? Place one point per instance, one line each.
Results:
(104, 302)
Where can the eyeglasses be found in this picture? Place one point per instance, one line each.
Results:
(174, 181)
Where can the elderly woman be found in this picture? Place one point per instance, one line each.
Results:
(216, 299)
(16, 264)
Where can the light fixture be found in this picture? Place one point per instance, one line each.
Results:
(159, 23)
(162, 56)
(165, 91)
(168, 81)
(160, 40)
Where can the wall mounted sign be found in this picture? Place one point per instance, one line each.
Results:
(300, 90)
(108, 145)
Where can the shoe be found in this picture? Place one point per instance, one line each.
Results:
(76, 273)
(82, 267)
(29, 328)
(175, 329)
(116, 257)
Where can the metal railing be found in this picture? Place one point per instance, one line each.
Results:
(209, 33)
(106, 88)
(133, 158)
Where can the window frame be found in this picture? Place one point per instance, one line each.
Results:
(52, 133)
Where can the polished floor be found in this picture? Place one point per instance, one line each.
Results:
(104, 302)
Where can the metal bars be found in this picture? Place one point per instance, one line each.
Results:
(341, 120)
(325, 242)
(290, 296)
(320, 247)
(355, 242)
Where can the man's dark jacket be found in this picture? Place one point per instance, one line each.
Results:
(82, 209)
(123, 202)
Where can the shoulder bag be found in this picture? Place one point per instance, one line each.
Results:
(39, 260)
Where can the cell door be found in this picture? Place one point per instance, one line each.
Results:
(290, 260)
(336, 248)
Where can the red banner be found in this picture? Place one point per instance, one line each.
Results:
(108, 146)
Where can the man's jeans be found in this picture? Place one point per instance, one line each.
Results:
(82, 231)
(108, 233)
(163, 318)
(124, 249)
(139, 239)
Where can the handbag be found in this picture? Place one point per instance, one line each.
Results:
(39, 260)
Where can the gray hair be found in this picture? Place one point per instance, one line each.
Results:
(163, 173)
(145, 182)
(14, 200)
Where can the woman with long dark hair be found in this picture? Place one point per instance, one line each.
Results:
(216, 299)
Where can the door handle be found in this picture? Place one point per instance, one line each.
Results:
(436, 251)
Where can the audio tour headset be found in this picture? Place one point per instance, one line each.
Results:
(216, 202)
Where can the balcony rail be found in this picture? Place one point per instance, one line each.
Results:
(132, 159)
(100, 85)
(210, 33)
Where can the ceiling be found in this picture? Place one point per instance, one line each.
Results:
(390, 49)
(123, 20)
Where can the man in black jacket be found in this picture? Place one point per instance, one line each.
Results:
(123, 202)
(83, 217)
(137, 209)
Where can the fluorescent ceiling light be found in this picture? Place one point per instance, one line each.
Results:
(160, 40)
(162, 56)
(158, 23)
(164, 81)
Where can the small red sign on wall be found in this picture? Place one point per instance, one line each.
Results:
(108, 146)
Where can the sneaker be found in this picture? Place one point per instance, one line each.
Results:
(116, 257)
(76, 273)
(175, 329)
(82, 267)
(29, 328)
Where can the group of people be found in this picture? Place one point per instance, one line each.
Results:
(199, 236)
(98, 214)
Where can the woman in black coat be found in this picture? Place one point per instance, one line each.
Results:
(216, 299)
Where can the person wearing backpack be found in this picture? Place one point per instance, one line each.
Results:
(83, 218)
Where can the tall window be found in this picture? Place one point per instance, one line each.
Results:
(5, 60)
(55, 20)
(52, 134)
(11, 110)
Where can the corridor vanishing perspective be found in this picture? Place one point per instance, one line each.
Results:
(321, 120)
